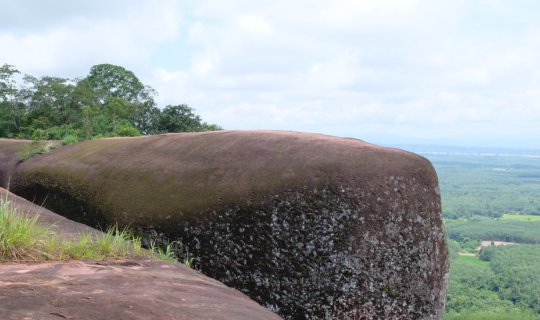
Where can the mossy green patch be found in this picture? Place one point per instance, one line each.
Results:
(160, 177)
(474, 260)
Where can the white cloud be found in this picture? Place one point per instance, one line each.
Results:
(67, 40)
(254, 24)
(383, 70)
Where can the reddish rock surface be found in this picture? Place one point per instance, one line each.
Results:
(119, 289)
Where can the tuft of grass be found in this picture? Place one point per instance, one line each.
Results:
(23, 239)
(36, 148)
(189, 260)
(168, 253)
(20, 237)
(165, 254)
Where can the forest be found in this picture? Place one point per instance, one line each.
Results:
(109, 101)
(491, 199)
(484, 184)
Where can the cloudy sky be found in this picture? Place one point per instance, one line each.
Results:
(457, 72)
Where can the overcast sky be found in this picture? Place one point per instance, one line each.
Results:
(453, 72)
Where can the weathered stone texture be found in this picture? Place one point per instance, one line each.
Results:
(9, 158)
(310, 226)
(119, 289)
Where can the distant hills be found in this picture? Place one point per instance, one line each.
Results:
(479, 151)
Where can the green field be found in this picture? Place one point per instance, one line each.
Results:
(473, 184)
(474, 260)
(520, 217)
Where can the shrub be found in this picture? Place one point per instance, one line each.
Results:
(39, 134)
(127, 130)
(487, 253)
(69, 139)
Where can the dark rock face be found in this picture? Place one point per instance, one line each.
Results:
(9, 158)
(119, 289)
(310, 226)
(320, 254)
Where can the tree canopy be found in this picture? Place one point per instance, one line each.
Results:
(109, 101)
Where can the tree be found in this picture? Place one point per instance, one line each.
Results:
(52, 98)
(120, 94)
(8, 87)
(147, 118)
(109, 101)
(107, 80)
(10, 117)
(181, 118)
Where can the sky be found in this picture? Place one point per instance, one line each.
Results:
(463, 73)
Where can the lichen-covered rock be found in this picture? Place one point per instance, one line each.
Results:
(310, 226)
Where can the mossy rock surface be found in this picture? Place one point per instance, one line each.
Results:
(10, 150)
(311, 226)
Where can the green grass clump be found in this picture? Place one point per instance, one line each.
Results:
(168, 253)
(165, 254)
(23, 239)
(20, 237)
(36, 148)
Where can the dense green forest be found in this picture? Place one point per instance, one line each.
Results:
(502, 283)
(493, 229)
(488, 197)
(109, 101)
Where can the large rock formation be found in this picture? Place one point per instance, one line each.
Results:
(311, 226)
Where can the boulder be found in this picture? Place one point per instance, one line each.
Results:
(119, 289)
(310, 226)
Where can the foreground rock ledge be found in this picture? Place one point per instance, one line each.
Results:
(310, 226)
(119, 289)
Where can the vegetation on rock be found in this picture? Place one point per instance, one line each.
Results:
(24, 239)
